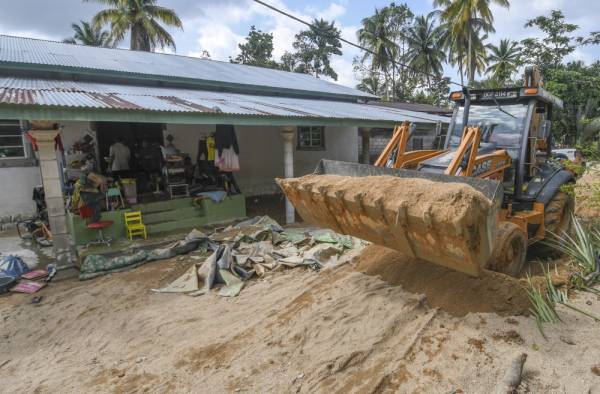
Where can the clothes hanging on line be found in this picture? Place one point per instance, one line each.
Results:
(227, 161)
(206, 149)
(225, 138)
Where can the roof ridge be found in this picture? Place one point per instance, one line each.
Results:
(170, 54)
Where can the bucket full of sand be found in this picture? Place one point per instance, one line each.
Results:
(449, 221)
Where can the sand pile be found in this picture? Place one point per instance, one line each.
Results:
(587, 195)
(446, 223)
(453, 291)
(296, 331)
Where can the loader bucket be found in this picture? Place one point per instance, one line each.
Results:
(447, 220)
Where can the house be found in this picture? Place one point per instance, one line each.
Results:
(284, 122)
(425, 136)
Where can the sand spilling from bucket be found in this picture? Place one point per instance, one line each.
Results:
(454, 292)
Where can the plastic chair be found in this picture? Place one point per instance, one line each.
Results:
(134, 224)
(114, 193)
(86, 213)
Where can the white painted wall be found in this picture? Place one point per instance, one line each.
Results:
(261, 152)
(16, 187)
(16, 183)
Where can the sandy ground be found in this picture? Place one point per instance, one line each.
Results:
(292, 331)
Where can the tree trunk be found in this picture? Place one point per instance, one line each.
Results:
(139, 39)
(470, 55)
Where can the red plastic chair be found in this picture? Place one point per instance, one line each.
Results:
(87, 213)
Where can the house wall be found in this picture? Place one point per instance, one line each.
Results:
(261, 152)
(423, 138)
(17, 182)
(261, 160)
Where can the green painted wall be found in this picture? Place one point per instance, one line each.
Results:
(82, 235)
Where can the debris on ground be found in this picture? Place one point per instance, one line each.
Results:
(513, 375)
(97, 265)
(17, 277)
(256, 247)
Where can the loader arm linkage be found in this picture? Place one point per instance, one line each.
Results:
(466, 161)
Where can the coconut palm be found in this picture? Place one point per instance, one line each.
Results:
(424, 48)
(141, 19)
(377, 35)
(88, 34)
(504, 59)
(464, 18)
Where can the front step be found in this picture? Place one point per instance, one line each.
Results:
(160, 206)
(163, 227)
(171, 215)
(184, 215)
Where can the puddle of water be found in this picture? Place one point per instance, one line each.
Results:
(32, 254)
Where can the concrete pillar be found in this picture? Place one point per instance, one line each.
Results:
(288, 134)
(64, 250)
(438, 136)
(366, 145)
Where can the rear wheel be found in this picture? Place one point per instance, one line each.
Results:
(510, 250)
(558, 212)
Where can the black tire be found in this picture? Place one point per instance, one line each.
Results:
(510, 250)
(558, 212)
(23, 229)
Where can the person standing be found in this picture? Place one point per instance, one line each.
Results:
(119, 155)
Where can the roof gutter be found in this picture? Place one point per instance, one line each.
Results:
(58, 113)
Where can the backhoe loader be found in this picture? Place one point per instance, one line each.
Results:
(498, 146)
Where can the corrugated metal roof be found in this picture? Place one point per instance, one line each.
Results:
(417, 107)
(161, 66)
(76, 94)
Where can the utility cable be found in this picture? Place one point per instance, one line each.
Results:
(394, 62)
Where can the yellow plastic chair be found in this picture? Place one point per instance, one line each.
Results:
(134, 224)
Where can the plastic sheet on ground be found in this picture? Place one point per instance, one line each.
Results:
(97, 265)
(257, 247)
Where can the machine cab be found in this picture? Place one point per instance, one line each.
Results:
(515, 120)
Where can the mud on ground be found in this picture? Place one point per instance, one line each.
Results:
(292, 331)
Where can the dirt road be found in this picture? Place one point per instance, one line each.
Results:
(293, 331)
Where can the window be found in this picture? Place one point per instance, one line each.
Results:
(12, 145)
(311, 138)
(417, 143)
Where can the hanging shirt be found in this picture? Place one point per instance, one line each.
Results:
(119, 157)
(210, 148)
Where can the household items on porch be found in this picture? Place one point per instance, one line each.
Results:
(94, 223)
(80, 157)
(237, 253)
(134, 224)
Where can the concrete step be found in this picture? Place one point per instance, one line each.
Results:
(162, 227)
(160, 206)
(171, 215)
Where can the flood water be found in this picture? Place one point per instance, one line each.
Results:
(32, 254)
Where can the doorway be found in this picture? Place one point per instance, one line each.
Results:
(132, 134)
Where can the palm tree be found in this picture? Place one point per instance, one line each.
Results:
(464, 18)
(139, 18)
(424, 48)
(88, 34)
(377, 35)
(504, 59)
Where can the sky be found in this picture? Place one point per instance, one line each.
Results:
(218, 26)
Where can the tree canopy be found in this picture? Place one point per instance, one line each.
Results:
(257, 50)
(141, 19)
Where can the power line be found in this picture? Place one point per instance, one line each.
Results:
(394, 63)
